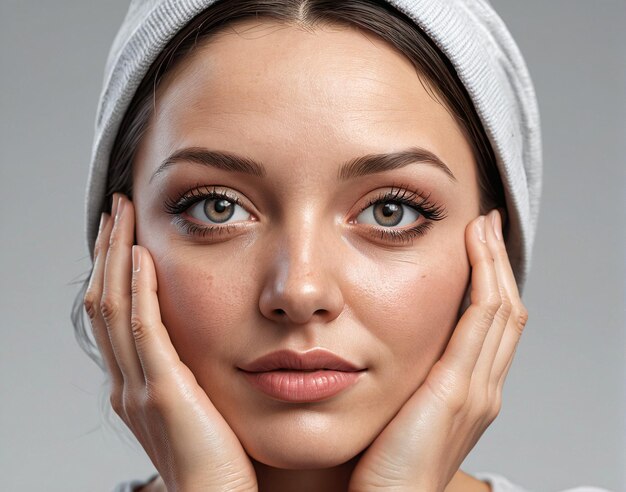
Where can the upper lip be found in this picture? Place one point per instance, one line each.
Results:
(300, 361)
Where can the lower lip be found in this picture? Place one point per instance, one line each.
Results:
(300, 386)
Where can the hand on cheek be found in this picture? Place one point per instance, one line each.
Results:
(152, 391)
(424, 445)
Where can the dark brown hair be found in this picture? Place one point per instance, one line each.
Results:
(374, 16)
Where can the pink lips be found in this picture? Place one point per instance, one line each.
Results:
(301, 377)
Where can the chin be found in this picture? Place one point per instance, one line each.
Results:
(308, 442)
(301, 458)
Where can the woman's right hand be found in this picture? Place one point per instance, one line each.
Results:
(155, 394)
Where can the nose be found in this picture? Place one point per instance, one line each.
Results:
(301, 279)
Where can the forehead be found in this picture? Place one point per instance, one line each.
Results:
(249, 57)
(260, 88)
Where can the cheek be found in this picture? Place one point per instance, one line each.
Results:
(411, 305)
(203, 300)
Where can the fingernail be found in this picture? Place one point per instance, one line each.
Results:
(136, 259)
(497, 224)
(480, 229)
(120, 207)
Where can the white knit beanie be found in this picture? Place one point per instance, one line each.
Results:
(468, 32)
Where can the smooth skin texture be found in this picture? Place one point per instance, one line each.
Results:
(303, 265)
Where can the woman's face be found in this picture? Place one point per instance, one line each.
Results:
(312, 246)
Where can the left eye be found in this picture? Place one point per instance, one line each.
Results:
(388, 214)
(217, 211)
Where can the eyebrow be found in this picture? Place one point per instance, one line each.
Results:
(353, 168)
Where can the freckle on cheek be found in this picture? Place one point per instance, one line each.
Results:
(183, 293)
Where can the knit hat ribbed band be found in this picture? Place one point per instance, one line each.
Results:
(468, 32)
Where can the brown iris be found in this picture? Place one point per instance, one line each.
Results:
(219, 209)
(388, 213)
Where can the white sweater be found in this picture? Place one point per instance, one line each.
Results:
(497, 482)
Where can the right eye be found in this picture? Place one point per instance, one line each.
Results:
(217, 210)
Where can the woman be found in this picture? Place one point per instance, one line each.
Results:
(301, 278)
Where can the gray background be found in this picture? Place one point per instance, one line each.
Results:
(564, 417)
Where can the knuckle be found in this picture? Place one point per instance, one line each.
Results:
(505, 307)
(89, 302)
(521, 318)
(138, 327)
(449, 389)
(488, 310)
(109, 306)
(492, 304)
(483, 324)
(494, 408)
(134, 286)
(116, 402)
(457, 399)
(486, 405)
(479, 409)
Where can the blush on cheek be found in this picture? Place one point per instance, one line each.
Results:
(429, 314)
(199, 305)
(444, 295)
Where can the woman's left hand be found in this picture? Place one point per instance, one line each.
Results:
(426, 442)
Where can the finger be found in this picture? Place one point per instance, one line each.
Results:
(169, 381)
(506, 371)
(154, 348)
(519, 315)
(93, 296)
(116, 295)
(483, 371)
(466, 342)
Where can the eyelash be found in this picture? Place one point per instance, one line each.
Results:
(178, 205)
(431, 211)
